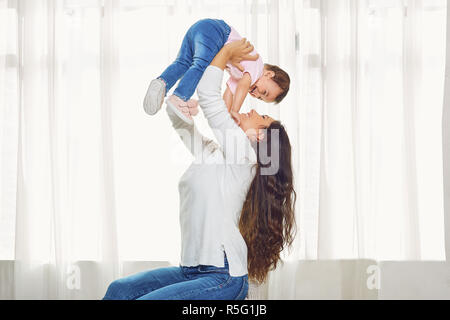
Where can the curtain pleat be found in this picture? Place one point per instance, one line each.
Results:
(446, 143)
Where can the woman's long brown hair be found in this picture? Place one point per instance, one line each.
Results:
(267, 221)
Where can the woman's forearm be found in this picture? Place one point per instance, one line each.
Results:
(228, 98)
(221, 59)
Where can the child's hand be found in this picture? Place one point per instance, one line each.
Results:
(240, 50)
(236, 116)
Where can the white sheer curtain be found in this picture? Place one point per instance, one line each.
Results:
(60, 66)
(89, 181)
(372, 75)
(446, 141)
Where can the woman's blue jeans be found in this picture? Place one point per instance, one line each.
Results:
(202, 282)
(199, 47)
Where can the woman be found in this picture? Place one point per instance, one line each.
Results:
(235, 219)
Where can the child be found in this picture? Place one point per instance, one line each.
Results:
(200, 45)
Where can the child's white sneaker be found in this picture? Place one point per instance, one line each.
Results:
(155, 96)
(180, 107)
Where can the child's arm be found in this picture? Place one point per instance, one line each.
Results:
(240, 94)
(228, 98)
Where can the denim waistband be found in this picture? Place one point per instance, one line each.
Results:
(208, 268)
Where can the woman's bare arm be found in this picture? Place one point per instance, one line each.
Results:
(228, 98)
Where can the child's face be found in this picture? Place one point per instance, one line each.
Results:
(265, 88)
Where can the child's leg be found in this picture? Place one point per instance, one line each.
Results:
(207, 39)
(158, 88)
(179, 67)
(190, 80)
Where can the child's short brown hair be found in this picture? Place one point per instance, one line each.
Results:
(282, 79)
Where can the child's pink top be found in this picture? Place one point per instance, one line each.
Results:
(254, 68)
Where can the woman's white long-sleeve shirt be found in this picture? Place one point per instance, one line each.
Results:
(213, 189)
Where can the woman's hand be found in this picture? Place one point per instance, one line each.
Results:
(236, 117)
(240, 50)
(234, 52)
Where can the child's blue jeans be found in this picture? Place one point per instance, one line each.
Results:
(200, 45)
(180, 283)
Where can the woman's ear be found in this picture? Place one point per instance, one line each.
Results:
(255, 135)
(252, 135)
(260, 136)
